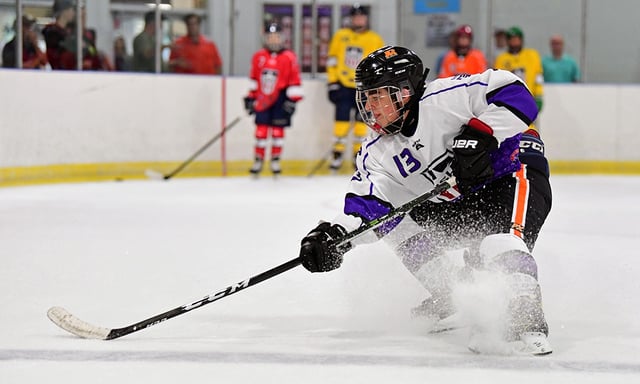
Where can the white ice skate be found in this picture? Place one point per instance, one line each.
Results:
(336, 162)
(534, 343)
(526, 331)
(275, 167)
(256, 168)
(439, 313)
(528, 343)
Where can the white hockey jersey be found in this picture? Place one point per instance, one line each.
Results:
(394, 169)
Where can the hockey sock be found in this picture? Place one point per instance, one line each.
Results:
(277, 140)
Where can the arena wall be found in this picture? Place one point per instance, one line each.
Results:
(74, 126)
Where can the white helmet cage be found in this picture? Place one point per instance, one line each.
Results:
(382, 108)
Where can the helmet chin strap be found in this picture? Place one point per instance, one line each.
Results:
(410, 118)
(403, 113)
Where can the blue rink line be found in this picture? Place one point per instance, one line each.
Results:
(465, 361)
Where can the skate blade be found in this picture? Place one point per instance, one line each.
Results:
(154, 175)
(493, 345)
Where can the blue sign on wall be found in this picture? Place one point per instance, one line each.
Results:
(436, 6)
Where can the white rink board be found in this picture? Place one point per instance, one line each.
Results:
(79, 118)
(591, 122)
(75, 118)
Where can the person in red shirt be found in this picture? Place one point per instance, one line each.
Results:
(32, 56)
(61, 39)
(463, 59)
(275, 90)
(193, 53)
(57, 36)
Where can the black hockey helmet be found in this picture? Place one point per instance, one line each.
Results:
(272, 28)
(398, 70)
(357, 9)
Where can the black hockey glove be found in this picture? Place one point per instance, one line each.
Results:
(249, 105)
(472, 149)
(318, 250)
(334, 92)
(289, 107)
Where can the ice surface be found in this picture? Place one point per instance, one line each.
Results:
(117, 253)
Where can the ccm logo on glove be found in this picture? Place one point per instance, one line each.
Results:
(533, 145)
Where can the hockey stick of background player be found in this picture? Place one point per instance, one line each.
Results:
(321, 162)
(67, 321)
(158, 176)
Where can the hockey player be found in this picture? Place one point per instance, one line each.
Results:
(275, 90)
(524, 62)
(469, 126)
(347, 47)
(463, 58)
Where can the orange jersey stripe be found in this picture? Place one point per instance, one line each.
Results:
(520, 202)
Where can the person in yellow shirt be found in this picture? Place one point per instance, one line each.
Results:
(347, 47)
(523, 62)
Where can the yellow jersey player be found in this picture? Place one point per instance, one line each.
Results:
(523, 62)
(347, 47)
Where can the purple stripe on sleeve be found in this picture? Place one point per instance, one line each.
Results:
(365, 207)
(369, 208)
(516, 98)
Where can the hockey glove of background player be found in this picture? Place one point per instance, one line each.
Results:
(318, 250)
(289, 106)
(472, 148)
(334, 92)
(249, 105)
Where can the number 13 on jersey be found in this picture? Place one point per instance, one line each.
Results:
(406, 163)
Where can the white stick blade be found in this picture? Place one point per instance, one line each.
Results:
(65, 320)
(154, 175)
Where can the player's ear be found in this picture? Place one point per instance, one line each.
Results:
(406, 95)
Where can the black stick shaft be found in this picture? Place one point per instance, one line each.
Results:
(202, 149)
(397, 212)
(119, 332)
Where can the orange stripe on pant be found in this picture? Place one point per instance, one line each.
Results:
(520, 202)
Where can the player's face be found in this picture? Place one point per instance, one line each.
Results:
(557, 46)
(359, 22)
(463, 44)
(515, 43)
(383, 106)
(193, 27)
(274, 41)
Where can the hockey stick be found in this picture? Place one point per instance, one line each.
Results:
(320, 163)
(72, 324)
(158, 176)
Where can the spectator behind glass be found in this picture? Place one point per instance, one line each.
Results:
(463, 59)
(56, 36)
(32, 56)
(92, 58)
(122, 60)
(193, 53)
(499, 43)
(144, 45)
(559, 67)
(523, 62)
(451, 40)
